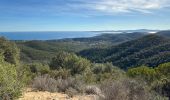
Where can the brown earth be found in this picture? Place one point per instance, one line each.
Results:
(29, 94)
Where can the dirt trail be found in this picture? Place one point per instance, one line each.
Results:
(39, 95)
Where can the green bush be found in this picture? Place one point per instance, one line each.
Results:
(102, 68)
(9, 51)
(158, 78)
(9, 84)
(24, 74)
(88, 77)
(164, 70)
(39, 68)
(144, 72)
(70, 61)
(60, 73)
(106, 71)
(162, 87)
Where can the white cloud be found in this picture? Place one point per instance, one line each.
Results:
(125, 6)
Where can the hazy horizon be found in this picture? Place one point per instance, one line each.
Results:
(86, 30)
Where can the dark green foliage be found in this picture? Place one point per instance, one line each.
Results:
(70, 61)
(164, 33)
(24, 74)
(65, 65)
(102, 68)
(106, 71)
(10, 85)
(158, 78)
(148, 74)
(111, 38)
(60, 73)
(9, 51)
(162, 87)
(150, 50)
(70, 73)
(43, 51)
(39, 68)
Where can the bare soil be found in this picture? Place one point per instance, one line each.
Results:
(29, 94)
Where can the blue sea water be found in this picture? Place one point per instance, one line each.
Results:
(46, 35)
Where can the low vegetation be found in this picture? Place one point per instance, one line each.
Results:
(69, 73)
(10, 86)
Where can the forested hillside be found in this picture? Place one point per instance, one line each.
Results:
(150, 50)
(164, 33)
(44, 50)
(116, 38)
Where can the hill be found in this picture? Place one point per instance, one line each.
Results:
(164, 33)
(149, 50)
(44, 50)
(111, 38)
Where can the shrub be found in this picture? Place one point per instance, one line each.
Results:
(71, 92)
(126, 89)
(70, 85)
(105, 71)
(24, 74)
(93, 90)
(10, 82)
(39, 68)
(164, 70)
(102, 68)
(88, 77)
(64, 84)
(70, 61)
(162, 87)
(60, 73)
(9, 51)
(45, 83)
(10, 86)
(146, 73)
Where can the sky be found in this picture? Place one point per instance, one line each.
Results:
(83, 15)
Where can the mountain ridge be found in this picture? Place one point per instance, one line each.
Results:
(133, 52)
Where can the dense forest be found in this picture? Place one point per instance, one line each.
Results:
(128, 66)
(150, 50)
(44, 50)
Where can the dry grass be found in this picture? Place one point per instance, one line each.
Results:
(45, 83)
(70, 85)
(125, 89)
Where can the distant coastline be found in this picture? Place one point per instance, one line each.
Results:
(55, 35)
(47, 35)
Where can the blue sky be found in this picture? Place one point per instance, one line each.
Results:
(83, 15)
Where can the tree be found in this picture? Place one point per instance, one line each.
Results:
(70, 61)
(39, 68)
(9, 51)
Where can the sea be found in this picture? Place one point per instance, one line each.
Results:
(47, 35)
